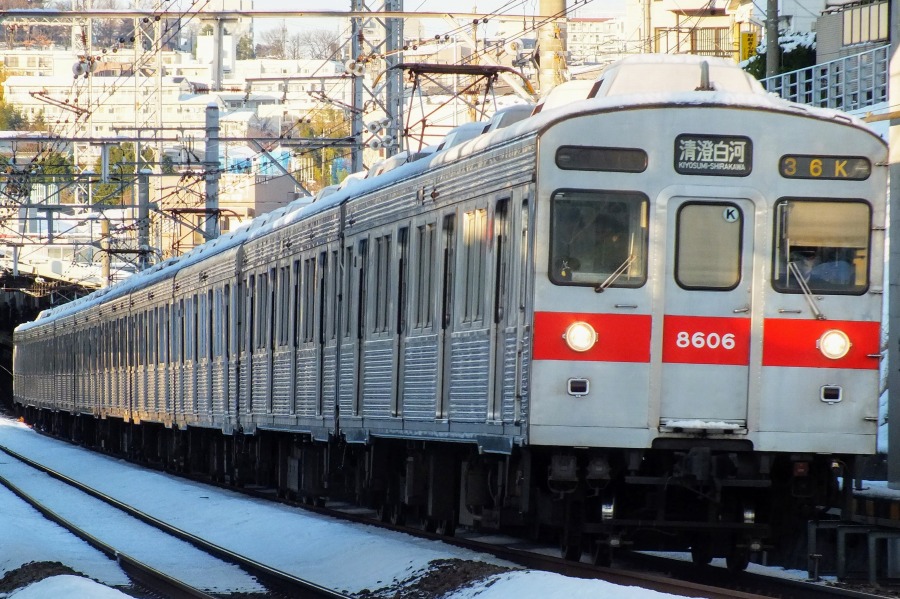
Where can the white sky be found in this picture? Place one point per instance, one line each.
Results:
(350, 557)
(590, 8)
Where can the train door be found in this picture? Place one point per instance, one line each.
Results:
(706, 328)
(504, 316)
(401, 329)
(448, 261)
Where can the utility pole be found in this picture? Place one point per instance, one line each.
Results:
(552, 44)
(648, 31)
(893, 283)
(773, 52)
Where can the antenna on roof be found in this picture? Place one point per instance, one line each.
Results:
(705, 85)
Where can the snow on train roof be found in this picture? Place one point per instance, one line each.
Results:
(640, 80)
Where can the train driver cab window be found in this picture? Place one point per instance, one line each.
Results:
(598, 238)
(708, 242)
(822, 246)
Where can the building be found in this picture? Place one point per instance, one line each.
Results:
(850, 28)
(595, 40)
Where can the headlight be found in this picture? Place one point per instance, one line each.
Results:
(834, 344)
(580, 336)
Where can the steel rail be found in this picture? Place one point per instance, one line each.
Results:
(270, 576)
(138, 571)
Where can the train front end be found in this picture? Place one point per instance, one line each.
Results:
(707, 311)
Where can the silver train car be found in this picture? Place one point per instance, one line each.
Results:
(646, 316)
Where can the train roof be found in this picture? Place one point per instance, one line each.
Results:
(624, 85)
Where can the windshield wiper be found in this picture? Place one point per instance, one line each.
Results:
(804, 287)
(615, 274)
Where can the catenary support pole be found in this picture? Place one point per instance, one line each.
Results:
(211, 230)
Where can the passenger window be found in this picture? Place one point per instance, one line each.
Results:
(708, 242)
(598, 238)
(823, 245)
(474, 273)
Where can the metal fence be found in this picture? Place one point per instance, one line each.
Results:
(848, 83)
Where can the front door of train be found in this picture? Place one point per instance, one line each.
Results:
(706, 326)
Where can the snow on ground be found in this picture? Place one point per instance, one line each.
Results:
(349, 557)
(70, 587)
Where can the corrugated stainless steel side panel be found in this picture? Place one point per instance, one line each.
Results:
(177, 391)
(65, 390)
(508, 376)
(218, 390)
(329, 381)
(420, 378)
(526, 376)
(469, 368)
(166, 387)
(307, 382)
(202, 383)
(348, 379)
(378, 378)
(152, 401)
(260, 384)
(187, 397)
(80, 391)
(139, 391)
(90, 396)
(121, 390)
(245, 378)
(234, 387)
(281, 382)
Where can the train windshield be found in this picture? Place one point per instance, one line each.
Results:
(598, 238)
(823, 245)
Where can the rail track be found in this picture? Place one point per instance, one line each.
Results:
(668, 576)
(277, 582)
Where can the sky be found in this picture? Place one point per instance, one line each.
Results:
(309, 545)
(585, 8)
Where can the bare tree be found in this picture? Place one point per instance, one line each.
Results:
(293, 47)
(273, 43)
(319, 43)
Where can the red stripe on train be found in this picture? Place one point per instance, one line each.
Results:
(791, 342)
(620, 337)
(706, 340)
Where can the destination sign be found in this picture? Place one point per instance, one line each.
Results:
(796, 166)
(720, 155)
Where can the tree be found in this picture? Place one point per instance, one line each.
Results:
(319, 44)
(122, 167)
(796, 50)
(11, 119)
(324, 124)
(245, 48)
(273, 43)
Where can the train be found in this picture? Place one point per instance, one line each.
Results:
(646, 315)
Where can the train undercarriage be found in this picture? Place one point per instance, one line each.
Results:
(700, 498)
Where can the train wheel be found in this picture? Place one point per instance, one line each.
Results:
(601, 554)
(398, 514)
(737, 559)
(570, 546)
(383, 512)
(446, 527)
(701, 553)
